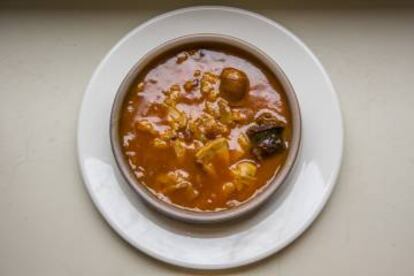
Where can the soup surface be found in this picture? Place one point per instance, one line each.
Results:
(205, 127)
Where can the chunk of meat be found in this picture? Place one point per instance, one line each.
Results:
(176, 118)
(180, 150)
(266, 139)
(268, 118)
(172, 95)
(234, 84)
(175, 181)
(244, 147)
(244, 173)
(225, 115)
(190, 85)
(181, 57)
(266, 135)
(206, 127)
(146, 126)
(208, 82)
(217, 149)
(160, 144)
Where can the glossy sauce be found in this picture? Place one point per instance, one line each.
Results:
(146, 117)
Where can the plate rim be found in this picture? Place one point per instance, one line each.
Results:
(318, 208)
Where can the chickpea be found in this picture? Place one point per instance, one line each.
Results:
(228, 188)
(234, 84)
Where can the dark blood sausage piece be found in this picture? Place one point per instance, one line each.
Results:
(234, 84)
(266, 139)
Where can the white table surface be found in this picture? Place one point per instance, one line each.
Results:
(48, 224)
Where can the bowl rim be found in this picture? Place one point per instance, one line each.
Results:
(181, 213)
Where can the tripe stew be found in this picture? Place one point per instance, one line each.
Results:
(205, 127)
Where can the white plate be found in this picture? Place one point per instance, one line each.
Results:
(291, 210)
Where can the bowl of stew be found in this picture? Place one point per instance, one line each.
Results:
(205, 128)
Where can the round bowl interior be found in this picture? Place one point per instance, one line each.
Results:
(186, 214)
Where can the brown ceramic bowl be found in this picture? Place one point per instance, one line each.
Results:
(212, 216)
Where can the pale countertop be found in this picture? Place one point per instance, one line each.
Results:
(49, 226)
